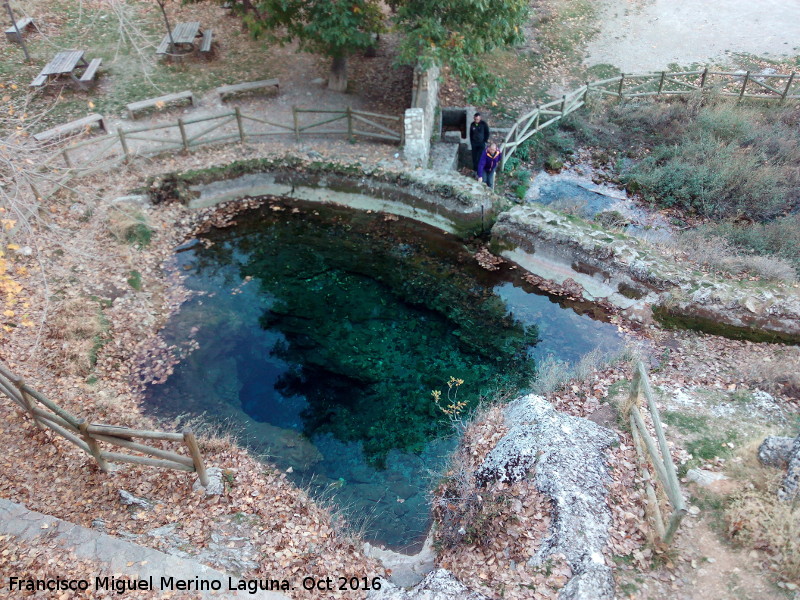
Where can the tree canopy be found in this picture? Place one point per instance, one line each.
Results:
(458, 33)
(335, 28)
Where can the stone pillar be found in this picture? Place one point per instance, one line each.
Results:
(470, 110)
(417, 142)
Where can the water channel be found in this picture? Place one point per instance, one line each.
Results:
(319, 333)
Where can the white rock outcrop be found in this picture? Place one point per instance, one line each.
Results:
(567, 457)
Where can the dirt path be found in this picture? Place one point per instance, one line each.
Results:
(645, 35)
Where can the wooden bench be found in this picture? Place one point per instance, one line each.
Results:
(205, 43)
(83, 123)
(163, 46)
(247, 87)
(39, 81)
(88, 77)
(155, 102)
(22, 25)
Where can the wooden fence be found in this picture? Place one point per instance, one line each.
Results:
(662, 462)
(88, 436)
(780, 87)
(185, 134)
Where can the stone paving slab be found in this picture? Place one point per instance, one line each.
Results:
(114, 555)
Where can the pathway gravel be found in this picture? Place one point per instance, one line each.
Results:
(648, 35)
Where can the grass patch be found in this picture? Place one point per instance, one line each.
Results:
(129, 225)
(135, 280)
(757, 518)
(712, 446)
(83, 328)
(685, 422)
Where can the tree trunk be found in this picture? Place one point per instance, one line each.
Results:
(337, 80)
(169, 27)
(19, 33)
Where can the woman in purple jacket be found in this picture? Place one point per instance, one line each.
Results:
(488, 163)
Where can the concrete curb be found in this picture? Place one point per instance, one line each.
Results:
(114, 555)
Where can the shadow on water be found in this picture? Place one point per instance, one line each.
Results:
(320, 332)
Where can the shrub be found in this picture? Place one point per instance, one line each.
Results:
(717, 253)
(707, 156)
(82, 329)
(712, 178)
(757, 518)
(129, 225)
(612, 219)
(778, 238)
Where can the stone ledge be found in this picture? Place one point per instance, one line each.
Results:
(629, 274)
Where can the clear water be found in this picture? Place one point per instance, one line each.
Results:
(320, 332)
(576, 192)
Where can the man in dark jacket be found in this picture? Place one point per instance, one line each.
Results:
(478, 136)
(488, 164)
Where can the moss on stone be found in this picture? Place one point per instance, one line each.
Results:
(670, 319)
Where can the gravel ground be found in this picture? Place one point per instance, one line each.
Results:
(645, 35)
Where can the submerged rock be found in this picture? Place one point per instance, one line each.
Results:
(567, 455)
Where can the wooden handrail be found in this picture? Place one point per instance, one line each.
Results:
(660, 458)
(524, 127)
(87, 435)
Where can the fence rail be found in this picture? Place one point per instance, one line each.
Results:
(661, 461)
(781, 87)
(86, 436)
(185, 134)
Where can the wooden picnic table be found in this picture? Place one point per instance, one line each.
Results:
(68, 63)
(183, 36)
(64, 63)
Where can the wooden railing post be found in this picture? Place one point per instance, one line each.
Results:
(621, 83)
(744, 84)
(239, 124)
(349, 124)
(296, 124)
(194, 450)
(563, 105)
(92, 443)
(661, 82)
(788, 85)
(184, 139)
(124, 143)
(703, 78)
(634, 392)
(26, 399)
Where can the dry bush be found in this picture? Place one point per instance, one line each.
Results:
(213, 436)
(757, 519)
(129, 225)
(79, 324)
(720, 256)
(465, 513)
(553, 375)
(777, 376)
